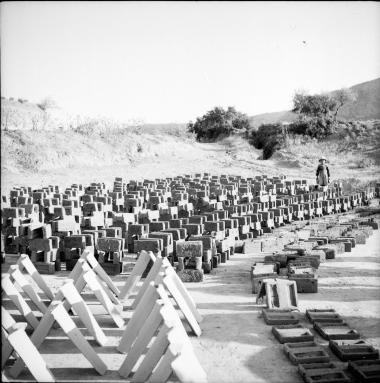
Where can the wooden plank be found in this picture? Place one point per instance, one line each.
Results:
(90, 258)
(163, 370)
(187, 368)
(30, 355)
(7, 320)
(106, 289)
(72, 331)
(153, 355)
(168, 312)
(6, 348)
(76, 271)
(144, 336)
(98, 290)
(185, 294)
(38, 336)
(84, 313)
(79, 282)
(182, 304)
(137, 319)
(14, 295)
(181, 287)
(27, 288)
(156, 268)
(25, 262)
(135, 276)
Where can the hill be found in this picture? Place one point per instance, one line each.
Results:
(51, 147)
(367, 104)
(271, 118)
(365, 107)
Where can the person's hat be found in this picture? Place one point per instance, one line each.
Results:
(322, 159)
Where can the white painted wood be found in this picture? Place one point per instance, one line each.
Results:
(135, 276)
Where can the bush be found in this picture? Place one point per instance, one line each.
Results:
(365, 163)
(269, 137)
(316, 127)
(218, 123)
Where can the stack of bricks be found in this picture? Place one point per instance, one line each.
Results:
(157, 215)
(111, 251)
(42, 247)
(73, 247)
(12, 229)
(190, 256)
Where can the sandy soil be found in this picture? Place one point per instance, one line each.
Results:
(236, 345)
(184, 158)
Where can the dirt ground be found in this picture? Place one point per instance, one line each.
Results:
(236, 345)
(234, 157)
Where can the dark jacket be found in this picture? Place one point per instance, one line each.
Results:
(321, 167)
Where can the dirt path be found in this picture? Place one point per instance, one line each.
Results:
(237, 346)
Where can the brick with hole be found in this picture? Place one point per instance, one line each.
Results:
(189, 249)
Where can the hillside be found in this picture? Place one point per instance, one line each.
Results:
(367, 104)
(51, 147)
(270, 118)
(365, 107)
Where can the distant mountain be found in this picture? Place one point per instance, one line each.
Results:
(367, 104)
(271, 118)
(365, 107)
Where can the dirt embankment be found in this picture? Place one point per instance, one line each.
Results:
(63, 157)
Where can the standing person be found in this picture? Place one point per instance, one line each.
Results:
(323, 174)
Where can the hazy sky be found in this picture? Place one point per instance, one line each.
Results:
(171, 62)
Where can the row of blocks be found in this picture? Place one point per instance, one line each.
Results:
(89, 209)
(299, 261)
(312, 359)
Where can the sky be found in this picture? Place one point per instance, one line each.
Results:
(163, 62)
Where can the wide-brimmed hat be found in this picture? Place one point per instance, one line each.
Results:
(322, 159)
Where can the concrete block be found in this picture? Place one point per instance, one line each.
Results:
(322, 372)
(333, 330)
(306, 352)
(189, 249)
(356, 349)
(292, 333)
(279, 317)
(365, 370)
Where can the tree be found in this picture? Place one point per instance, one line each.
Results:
(318, 105)
(342, 97)
(322, 105)
(219, 122)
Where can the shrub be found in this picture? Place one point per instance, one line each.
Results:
(20, 100)
(365, 163)
(47, 103)
(269, 137)
(218, 123)
(315, 127)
